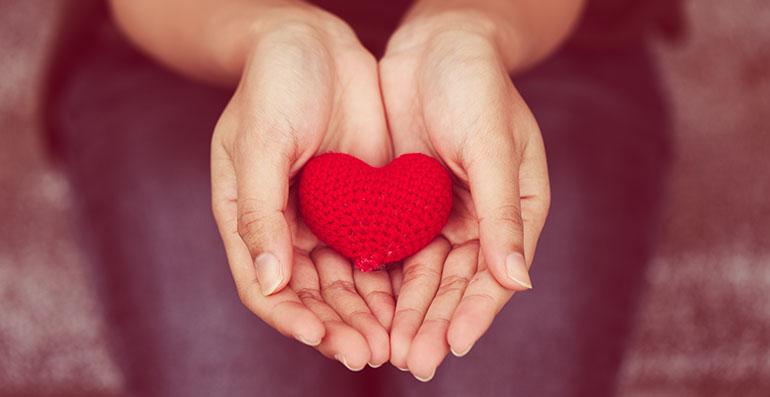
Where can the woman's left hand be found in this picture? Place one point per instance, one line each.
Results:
(448, 94)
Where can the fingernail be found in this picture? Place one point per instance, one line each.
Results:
(305, 341)
(517, 269)
(460, 354)
(375, 366)
(428, 378)
(401, 369)
(344, 362)
(269, 273)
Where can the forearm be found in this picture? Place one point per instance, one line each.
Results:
(206, 39)
(525, 31)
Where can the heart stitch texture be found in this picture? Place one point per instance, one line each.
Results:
(375, 216)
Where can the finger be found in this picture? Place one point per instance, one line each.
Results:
(376, 289)
(481, 302)
(338, 290)
(493, 176)
(263, 186)
(535, 193)
(430, 345)
(283, 311)
(421, 277)
(341, 341)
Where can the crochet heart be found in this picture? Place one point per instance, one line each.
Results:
(375, 216)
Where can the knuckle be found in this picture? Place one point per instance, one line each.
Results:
(438, 321)
(453, 283)
(377, 294)
(510, 213)
(484, 297)
(493, 142)
(309, 293)
(506, 214)
(344, 286)
(419, 272)
(251, 225)
(355, 314)
(496, 151)
(408, 310)
(266, 136)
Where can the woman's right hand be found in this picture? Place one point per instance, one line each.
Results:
(307, 87)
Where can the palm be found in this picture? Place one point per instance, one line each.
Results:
(461, 108)
(426, 303)
(462, 225)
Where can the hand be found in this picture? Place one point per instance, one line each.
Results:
(448, 94)
(308, 86)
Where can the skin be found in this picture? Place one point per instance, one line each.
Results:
(447, 92)
(297, 98)
(305, 85)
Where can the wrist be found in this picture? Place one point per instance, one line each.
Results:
(424, 28)
(301, 17)
(285, 23)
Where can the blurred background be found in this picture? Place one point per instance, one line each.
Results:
(704, 324)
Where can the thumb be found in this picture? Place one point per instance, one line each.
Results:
(263, 189)
(493, 176)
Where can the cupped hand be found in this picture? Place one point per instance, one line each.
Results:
(448, 94)
(308, 86)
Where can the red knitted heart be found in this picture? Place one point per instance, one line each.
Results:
(375, 215)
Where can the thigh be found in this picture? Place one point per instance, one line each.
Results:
(604, 127)
(134, 139)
